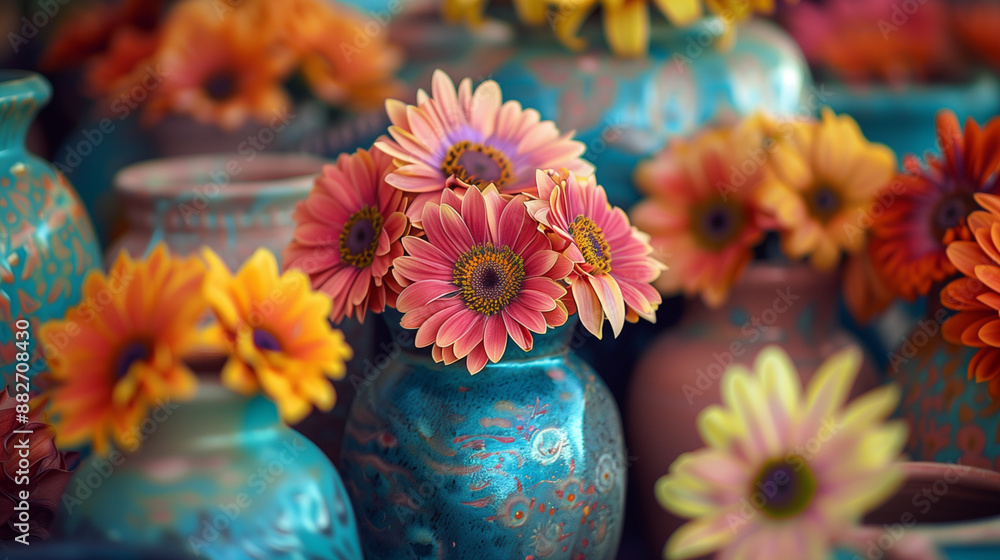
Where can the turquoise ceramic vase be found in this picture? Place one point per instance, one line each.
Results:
(47, 244)
(625, 109)
(218, 477)
(525, 459)
(951, 417)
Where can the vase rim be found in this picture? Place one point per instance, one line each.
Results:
(975, 478)
(24, 83)
(279, 173)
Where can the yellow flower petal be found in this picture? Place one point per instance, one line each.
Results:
(700, 536)
(627, 28)
(680, 12)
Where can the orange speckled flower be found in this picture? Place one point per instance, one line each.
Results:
(827, 176)
(113, 360)
(348, 232)
(700, 217)
(930, 205)
(277, 333)
(976, 295)
(219, 70)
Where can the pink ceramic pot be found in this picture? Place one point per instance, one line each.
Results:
(679, 374)
(943, 510)
(229, 202)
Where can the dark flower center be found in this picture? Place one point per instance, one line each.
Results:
(221, 85)
(589, 238)
(786, 486)
(951, 212)
(133, 352)
(488, 277)
(264, 340)
(359, 238)
(824, 203)
(717, 222)
(477, 164)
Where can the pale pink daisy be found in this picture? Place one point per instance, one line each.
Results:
(485, 272)
(471, 139)
(348, 234)
(614, 266)
(786, 472)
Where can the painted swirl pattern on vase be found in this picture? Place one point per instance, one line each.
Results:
(522, 460)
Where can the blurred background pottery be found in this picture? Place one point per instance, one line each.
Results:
(525, 459)
(625, 109)
(47, 244)
(793, 306)
(902, 116)
(943, 511)
(235, 204)
(220, 477)
(951, 417)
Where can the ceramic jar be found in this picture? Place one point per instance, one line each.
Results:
(219, 477)
(525, 459)
(47, 244)
(793, 306)
(951, 417)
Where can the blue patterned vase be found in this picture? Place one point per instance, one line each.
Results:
(47, 245)
(218, 477)
(523, 460)
(951, 417)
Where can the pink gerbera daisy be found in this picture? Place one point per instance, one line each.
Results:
(613, 260)
(471, 138)
(484, 272)
(348, 233)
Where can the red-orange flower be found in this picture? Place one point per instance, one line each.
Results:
(976, 295)
(929, 205)
(702, 220)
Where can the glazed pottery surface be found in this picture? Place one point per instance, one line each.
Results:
(226, 201)
(903, 117)
(943, 511)
(792, 306)
(951, 417)
(625, 109)
(47, 245)
(219, 477)
(525, 459)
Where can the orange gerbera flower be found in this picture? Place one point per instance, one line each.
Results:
(221, 70)
(277, 332)
(828, 175)
(702, 216)
(930, 205)
(976, 296)
(349, 71)
(119, 351)
(91, 28)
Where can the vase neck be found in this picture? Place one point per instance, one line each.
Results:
(213, 417)
(780, 297)
(22, 94)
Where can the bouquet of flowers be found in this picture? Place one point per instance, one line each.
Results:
(478, 222)
(127, 346)
(715, 201)
(223, 63)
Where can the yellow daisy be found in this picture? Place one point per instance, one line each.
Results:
(828, 175)
(119, 351)
(276, 330)
(784, 474)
